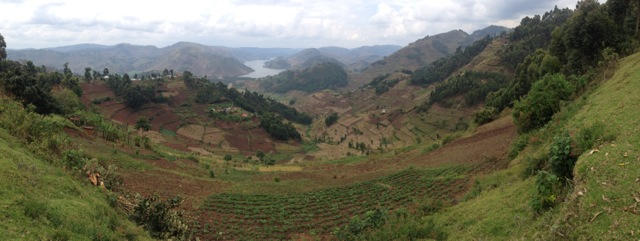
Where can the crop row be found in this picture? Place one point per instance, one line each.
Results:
(242, 216)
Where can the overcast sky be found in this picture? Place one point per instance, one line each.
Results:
(253, 23)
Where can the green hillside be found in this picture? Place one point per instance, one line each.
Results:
(601, 202)
(320, 76)
(41, 201)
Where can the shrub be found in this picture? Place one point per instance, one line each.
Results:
(546, 192)
(485, 115)
(160, 218)
(68, 101)
(533, 165)
(541, 102)
(74, 159)
(331, 119)
(228, 157)
(518, 145)
(561, 158)
(371, 220)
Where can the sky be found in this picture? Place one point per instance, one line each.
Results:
(253, 23)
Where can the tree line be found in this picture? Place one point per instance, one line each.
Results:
(443, 67)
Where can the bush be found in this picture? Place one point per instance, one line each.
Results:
(485, 115)
(371, 220)
(546, 192)
(74, 159)
(518, 145)
(541, 102)
(68, 101)
(331, 119)
(533, 165)
(160, 218)
(561, 158)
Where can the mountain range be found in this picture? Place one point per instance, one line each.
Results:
(215, 61)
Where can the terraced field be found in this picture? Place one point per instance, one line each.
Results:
(232, 216)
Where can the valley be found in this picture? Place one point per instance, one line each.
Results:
(527, 133)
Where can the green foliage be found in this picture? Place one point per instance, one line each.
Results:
(534, 67)
(74, 159)
(474, 86)
(546, 192)
(485, 115)
(381, 84)
(42, 134)
(160, 218)
(533, 33)
(544, 100)
(371, 220)
(331, 119)
(68, 101)
(561, 156)
(580, 41)
(518, 145)
(207, 92)
(274, 125)
(227, 157)
(533, 165)
(322, 210)
(143, 124)
(3, 46)
(325, 75)
(442, 68)
(30, 85)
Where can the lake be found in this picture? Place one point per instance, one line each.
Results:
(260, 70)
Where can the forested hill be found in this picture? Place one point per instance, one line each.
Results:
(354, 59)
(326, 75)
(422, 52)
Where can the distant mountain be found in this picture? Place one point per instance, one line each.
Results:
(199, 59)
(77, 47)
(422, 52)
(353, 59)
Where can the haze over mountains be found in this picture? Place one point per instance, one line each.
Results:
(214, 61)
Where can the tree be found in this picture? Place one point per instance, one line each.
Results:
(228, 157)
(105, 72)
(3, 46)
(165, 72)
(331, 119)
(542, 102)
(143, 124)
(87, 74)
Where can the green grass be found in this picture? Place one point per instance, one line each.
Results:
(42, 202)
(602, 201)
(167, 132)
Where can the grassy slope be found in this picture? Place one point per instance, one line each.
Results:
(608, 179)
(42, 202)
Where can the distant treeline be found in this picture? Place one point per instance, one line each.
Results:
(474, 86)
(441, 69)
(207, 92)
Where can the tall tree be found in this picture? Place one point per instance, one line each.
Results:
(105, 72)
(3, 45)
(87, 74)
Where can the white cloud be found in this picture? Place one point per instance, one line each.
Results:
(263, 23)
